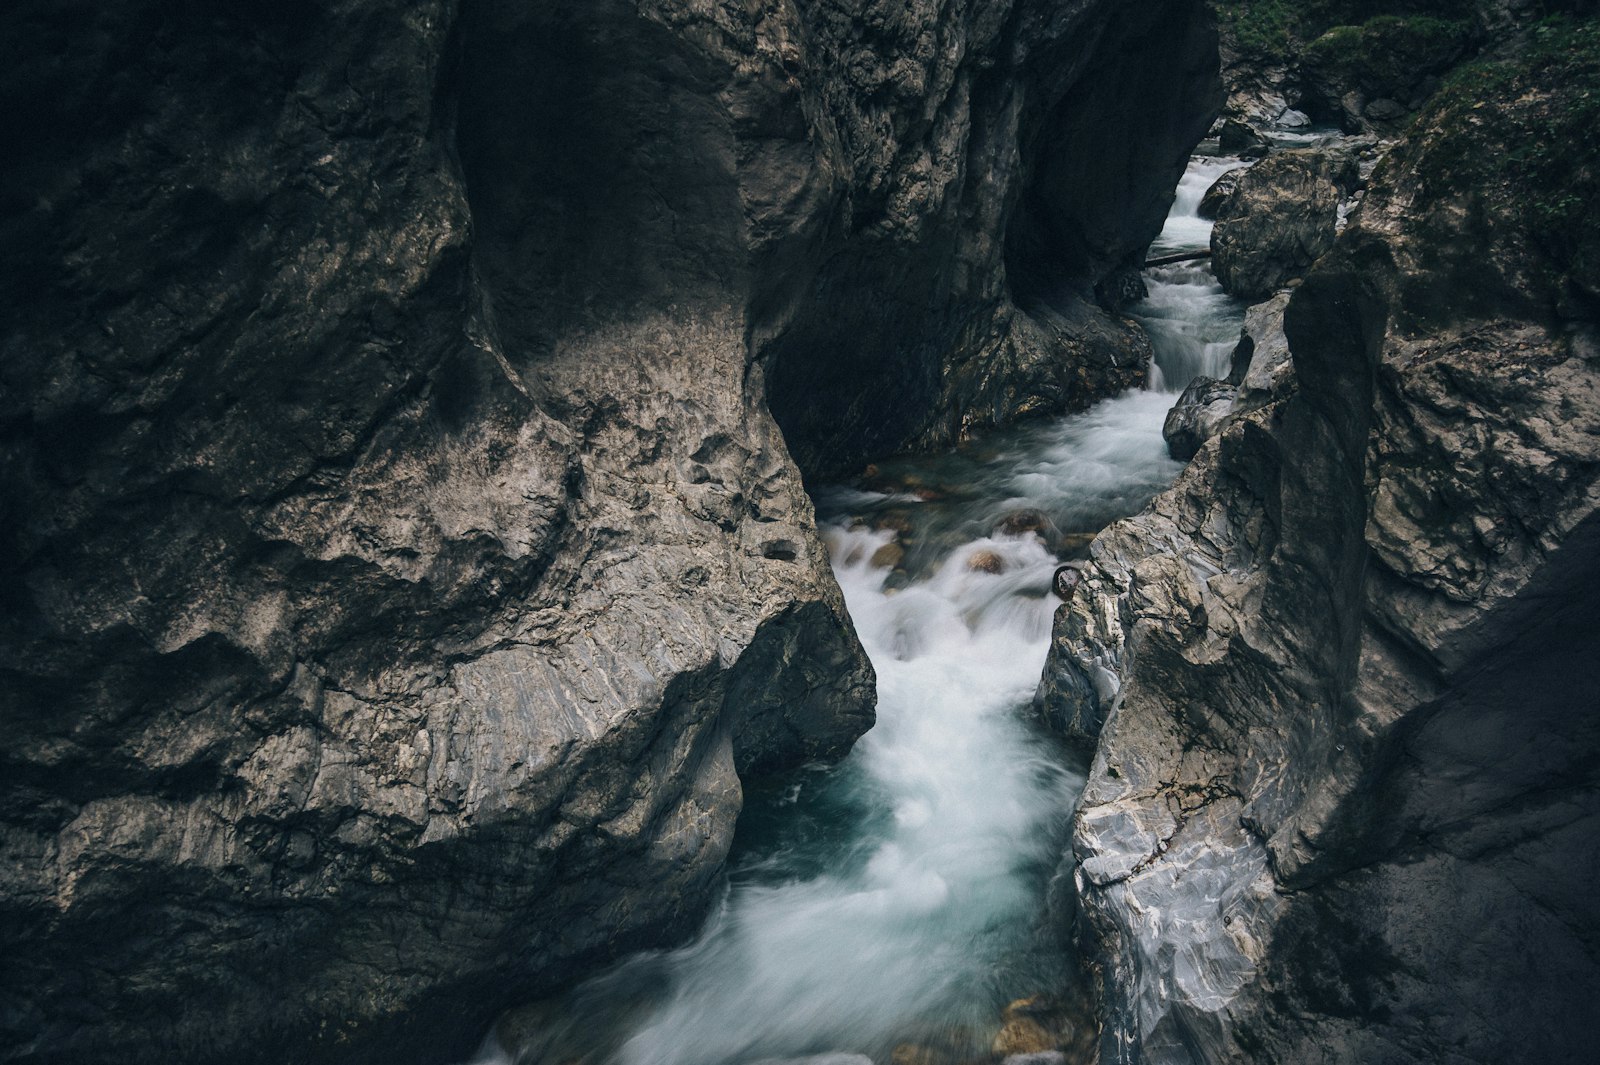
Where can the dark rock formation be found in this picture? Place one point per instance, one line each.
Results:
(1278, 218)
(1376, 75)
(1218, 196)
(1197, 415)
(1348, 763)
(400, 561)
(1239, 138)
(989, 186)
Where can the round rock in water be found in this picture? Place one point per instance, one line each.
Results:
(1065, 582)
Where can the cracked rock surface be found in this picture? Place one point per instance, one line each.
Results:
(401, 563)
(1337, 679)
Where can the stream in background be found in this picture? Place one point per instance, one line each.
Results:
(900, 896)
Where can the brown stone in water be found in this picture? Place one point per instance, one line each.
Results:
(986, 562)
(1023, 1035)
(888, 556)
(898, 520)
(918, 1054)
(1074, 543)
(1025, 521)
(1032, 1006)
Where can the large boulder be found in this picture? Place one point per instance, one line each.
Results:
(1348, 746)
(1280, 216)
(401, 567)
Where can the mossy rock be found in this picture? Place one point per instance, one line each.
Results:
(1277, 30)
(1389, 57)
(1500, 176)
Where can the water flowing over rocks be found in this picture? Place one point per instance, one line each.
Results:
(1262, 373)
(989, 200)
(401, 562)
(1337, 679)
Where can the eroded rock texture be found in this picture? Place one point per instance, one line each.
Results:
(1277, 218)
(400, 563)
(1341, 672)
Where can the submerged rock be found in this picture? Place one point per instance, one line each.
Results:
(1021, 1035)
(986, 562)
(888, 556)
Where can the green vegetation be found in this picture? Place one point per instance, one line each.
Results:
(1277, 29)
(1519, 133)
(1390, 53)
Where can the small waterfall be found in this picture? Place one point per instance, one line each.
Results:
(1193, 324)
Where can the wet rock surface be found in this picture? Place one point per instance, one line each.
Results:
(1279, 217)
(402, 565)
(1262, 373)
(1346, 733)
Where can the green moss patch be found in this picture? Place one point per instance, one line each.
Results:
(1517, 134)
(1391, 52)
(1277, 29)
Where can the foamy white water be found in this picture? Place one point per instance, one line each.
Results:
(1193, 324)
(907, 889)
(962, 802)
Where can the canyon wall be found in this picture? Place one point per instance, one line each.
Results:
(400, 564)
(1338, 680)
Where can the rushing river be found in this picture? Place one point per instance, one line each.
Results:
(900, 896)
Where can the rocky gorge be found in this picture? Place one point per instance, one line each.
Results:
(404, 408)
(410, 416)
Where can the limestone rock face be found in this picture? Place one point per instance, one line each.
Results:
(401, 563)
(1339, 673)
